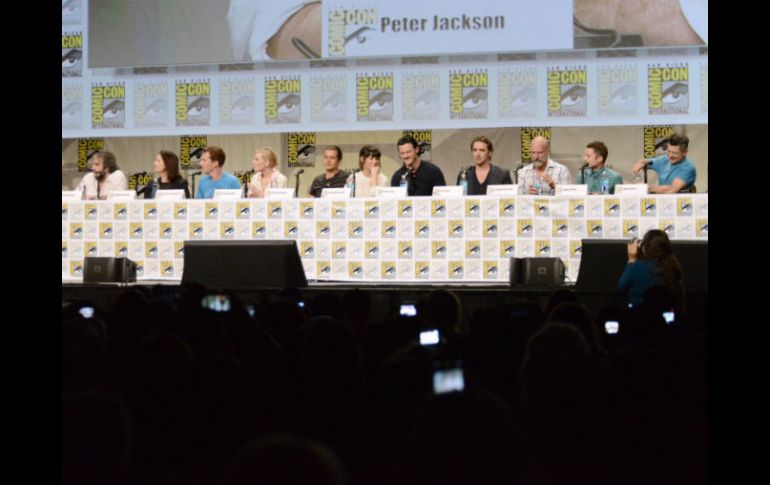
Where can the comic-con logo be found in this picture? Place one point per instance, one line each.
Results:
(473, 249)
(468, 93)
(346, 28)
(527, 135)
(150, 104)
(374, 97)
(300, 149)
(491, 270)
(193, 102)
(456, 270)
(422, 270)
(617, 90)
(668, 89)
(567, 90)
(283, 98)
(328, 98)
(420, 96)
(72, 54)
(191, 150)
(655, 139)
(388, 270)
(236, 101)
(108, 105)
(559, 228)
(517, 93)
(630, 228)
(71, 106)
(86, 148)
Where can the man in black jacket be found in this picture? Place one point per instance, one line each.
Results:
(483, 173)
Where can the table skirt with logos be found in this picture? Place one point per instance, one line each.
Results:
(416, 239)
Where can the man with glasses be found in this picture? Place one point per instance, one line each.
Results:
(676, 172)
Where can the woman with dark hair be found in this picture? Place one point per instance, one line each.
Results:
(651, 262)
(166, 165)
(368, 177)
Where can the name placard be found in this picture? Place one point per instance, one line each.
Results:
(631, 189)
(335, 193)
(279, 193)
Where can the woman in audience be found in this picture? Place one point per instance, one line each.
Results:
(651, 262)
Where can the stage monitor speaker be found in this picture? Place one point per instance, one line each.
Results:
(603, 261)
(109, 270)
(540, 272)
(243, 264)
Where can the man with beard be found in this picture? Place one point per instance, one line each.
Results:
(105, 176)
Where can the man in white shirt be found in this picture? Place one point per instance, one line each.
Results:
(541, 176)
(105, 176)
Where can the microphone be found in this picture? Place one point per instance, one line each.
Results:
(647, 164)
(195, 174)
(585, 166)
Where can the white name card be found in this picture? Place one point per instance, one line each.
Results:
(505, 190)
(170, 194)
(279, 193)
(335, 193)
(631, 189)
(390, 192)
(448, 191)
(228, 193)
(571, 189)
(121, 195)
(70, 195)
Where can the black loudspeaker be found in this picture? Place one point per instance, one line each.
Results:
(543, 272)
(109, 270)
(603, 261)
(243, 264)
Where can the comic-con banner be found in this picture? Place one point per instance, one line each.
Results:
(668, 88)
(567, 91)
(328, 98)
(151, 104)
(283, 99)
(374, 96)
(469, 94)
(86, 148)
(517, 92)
(420, 95)
(598, 92)
(193, 102)
(404, 27)
(300, 148)
(190, 151)
(72, 54)
(655, 139)
(108, 105)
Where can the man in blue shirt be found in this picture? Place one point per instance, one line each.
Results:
(676, 172)
(214, 178)
(594, 170)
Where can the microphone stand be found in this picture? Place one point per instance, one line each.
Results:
(645, 167)
(296, 184)
(193, 175)
(516, 173)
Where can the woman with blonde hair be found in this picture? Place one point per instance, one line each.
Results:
(266, 174)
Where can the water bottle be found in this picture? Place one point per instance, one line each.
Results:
(605, 183)
(538, 185)
(404, 182)
(464, 182)
(349, 185)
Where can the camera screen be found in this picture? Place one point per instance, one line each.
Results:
(87, 311)
(408, 310)
(669, 316)
(217, 303)
(429, 337)
(611, 326)
(448, 380)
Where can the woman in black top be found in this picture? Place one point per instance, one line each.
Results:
(166, 165)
